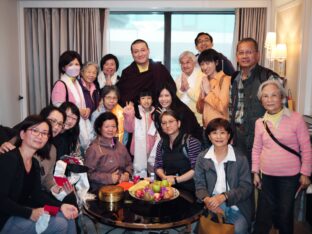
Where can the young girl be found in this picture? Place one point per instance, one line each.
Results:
(109, 103)
(138, 120)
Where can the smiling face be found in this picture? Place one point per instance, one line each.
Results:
(36, 136)
(208, 67)
(271, 99)
(146, 102)
(89, 74)
(246, 55)
(170, 125)
(165, 98)
(219, 137)
(110, 100)
(203, 43)
(109, 67)
(187, 65)
(109, 129)
(57, 122)
(71, 119)
(140, 53)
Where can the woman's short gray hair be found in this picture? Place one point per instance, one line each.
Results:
(279, 86)
(87, 64)
(188, 54)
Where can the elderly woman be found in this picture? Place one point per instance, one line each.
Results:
(108, 160)
(91, 94)
(176, 153)
(282, 169)
(108, 76)
(222, 177)
(189, 81)
(214, 96)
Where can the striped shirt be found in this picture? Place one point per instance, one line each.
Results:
(194, 148)
(271, 158)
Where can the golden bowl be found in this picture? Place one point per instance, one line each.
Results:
(111, 193)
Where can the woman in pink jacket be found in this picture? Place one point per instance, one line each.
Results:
(138, 120)
(281, 154)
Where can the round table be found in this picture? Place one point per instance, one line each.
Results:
(136, 214)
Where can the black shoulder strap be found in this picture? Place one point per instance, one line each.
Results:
(66, 90)
(279, 143)
(185, 145)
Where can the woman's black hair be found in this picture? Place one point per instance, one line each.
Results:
(218, 123)
(108, 57)
(101, 119)
(73, 133)
(209, 55)
(66, 58)
(143, 93)
(30, 121)
(109, 88)
(46, 111)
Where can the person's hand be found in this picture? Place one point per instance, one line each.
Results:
(115, 176)
(108, 79)
(56, 189)
(257, 181)
(69, 211)
(213, 202)
(129, 108)
(36, 213)
(124, 177)
(87, 113)
(6, 146)
(68, 188)
(205, 85)
(304, 181)
(184, 83)
(170, 179)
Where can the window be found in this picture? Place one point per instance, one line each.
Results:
(127, 27)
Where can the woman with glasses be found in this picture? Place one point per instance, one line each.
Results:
(109, 102)
(21, 198)
(176, 153)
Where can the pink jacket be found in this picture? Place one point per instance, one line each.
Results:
(129, 126)
(273, 160)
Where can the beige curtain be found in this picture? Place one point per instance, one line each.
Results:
(50, 32)
(251, 22)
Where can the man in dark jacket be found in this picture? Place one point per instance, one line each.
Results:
(245, 107)
(142, 74)
(204, 41)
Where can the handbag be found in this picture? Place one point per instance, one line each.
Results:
(279, 143)
(209, 226)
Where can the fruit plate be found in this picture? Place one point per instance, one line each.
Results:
(176, 194)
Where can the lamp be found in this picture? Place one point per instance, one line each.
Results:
(270, 43)
(280, 55)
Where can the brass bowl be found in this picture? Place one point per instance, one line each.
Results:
(111, 193)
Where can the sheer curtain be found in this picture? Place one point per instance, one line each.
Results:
(49, 32)
(251, 22)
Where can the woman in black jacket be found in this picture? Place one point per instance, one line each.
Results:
(21, 186)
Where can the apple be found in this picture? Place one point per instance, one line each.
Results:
(156, 188)
(164, 183)
(139, 193)
(157, 197)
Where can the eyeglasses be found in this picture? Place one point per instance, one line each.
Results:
(203, 41)
(74, 118)
(247, 52)
(36, 132)
(111, 98)
(55, 122)
(170, 122)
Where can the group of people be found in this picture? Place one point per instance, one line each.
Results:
(206, 132)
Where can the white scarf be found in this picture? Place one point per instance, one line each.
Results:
(75, 89)
(102, 80)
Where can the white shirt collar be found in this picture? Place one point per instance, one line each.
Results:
(229, 157)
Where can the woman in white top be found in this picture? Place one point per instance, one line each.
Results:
(188, 82)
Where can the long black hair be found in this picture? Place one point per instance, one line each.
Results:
(30, 121)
